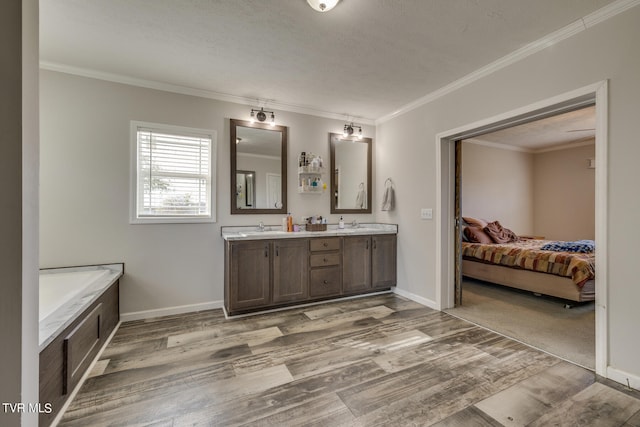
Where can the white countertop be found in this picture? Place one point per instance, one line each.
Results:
(275, 231)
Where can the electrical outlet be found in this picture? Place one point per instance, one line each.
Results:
(426, 213)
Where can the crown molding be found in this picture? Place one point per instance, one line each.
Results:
(570, 30)
(202, 93)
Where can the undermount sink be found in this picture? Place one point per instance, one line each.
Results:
(354, 230)
(262, 233)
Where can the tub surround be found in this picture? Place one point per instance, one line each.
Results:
(232, 233)
(74, 329)
(55, 322)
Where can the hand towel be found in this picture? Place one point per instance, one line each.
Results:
(388, 199)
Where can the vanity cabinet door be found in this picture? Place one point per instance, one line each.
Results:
(356, 270)
(249, 274)
(383, 259)
(290, 270)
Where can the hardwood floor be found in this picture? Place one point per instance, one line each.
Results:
(379, 360)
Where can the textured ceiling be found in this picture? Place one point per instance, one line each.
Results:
(363, 59)
(561, 129)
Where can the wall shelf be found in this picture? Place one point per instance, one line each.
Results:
(309, 173)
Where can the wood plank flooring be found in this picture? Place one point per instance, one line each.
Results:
(374, 361)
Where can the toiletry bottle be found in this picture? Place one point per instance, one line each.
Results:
(289, 222)
(285, 223)
(341, 223)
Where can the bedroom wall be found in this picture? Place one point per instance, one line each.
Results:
(407, 143)
(85, 188)
(564, 193)
(497, 184)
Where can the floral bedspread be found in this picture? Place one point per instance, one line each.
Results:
(526, 254)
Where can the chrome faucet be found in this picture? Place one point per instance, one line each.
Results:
(354, 223)
(261, 226)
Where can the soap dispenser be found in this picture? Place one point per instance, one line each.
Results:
(341, 223)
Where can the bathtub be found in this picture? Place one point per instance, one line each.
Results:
(66, 292)
(79, 312)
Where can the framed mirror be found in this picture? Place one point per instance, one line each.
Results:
(258, 168)
(350, 174)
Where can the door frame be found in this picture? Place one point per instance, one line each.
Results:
(445, 194)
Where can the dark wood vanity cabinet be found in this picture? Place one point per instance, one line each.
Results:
(383, 261)
(248, 284)
(290, 270)
(356, 273)
(263, 274)
(326, 268)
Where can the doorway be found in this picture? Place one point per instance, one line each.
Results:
(445, 165)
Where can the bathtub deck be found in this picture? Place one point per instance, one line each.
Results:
(57, 320)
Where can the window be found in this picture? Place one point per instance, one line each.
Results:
(173, 174)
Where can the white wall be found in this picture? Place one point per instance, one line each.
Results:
(406, 150)
(85, 188)
(497, 184)
(564, 194)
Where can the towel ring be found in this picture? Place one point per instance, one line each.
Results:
(361, 186)
(388, 182)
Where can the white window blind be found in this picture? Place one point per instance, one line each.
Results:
(174, 175)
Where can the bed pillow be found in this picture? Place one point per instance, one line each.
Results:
(499, 234)
(477, 235)
(464, 226)
(475, 221)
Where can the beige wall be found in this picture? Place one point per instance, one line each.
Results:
(407, 144)
(550, 194)
(85, 188)
(497, 184)
(18, 208)
(564, 194)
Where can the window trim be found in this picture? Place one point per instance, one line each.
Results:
(133, 176)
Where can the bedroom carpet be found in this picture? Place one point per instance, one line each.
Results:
(541, 322)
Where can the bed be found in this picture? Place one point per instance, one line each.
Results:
(523, 264)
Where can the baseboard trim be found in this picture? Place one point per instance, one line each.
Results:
(168, 311)
(624, 378)
(417, 298)
(303, 305)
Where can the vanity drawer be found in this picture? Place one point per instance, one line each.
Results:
(325, 281)
(325, 260)
(325, 244)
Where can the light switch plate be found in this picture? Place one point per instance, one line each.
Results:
(426, 213)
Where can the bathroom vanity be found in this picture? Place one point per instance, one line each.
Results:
(271, 269)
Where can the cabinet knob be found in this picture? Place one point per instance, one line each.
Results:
(325, 244)
(325, 260)
(326, 282)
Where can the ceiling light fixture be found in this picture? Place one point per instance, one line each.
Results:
(349, 129)
(323, 5)
(261, 116)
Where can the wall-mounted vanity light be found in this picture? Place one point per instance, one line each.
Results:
(261, 116)
(322, 5)
(350, 128)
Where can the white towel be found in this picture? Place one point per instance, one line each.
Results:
(388, 199)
